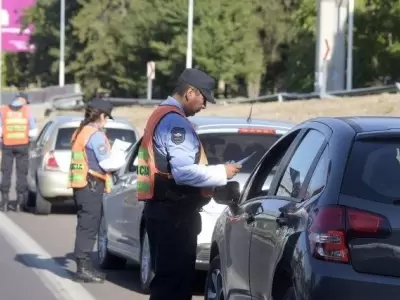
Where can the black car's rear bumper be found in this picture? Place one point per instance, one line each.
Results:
(320, 280)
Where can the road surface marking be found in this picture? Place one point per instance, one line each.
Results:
(62, 287)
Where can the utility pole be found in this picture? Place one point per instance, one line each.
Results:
(189, 50)
(350, 29)
(61, 69)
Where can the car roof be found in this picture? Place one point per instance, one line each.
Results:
(207, 122)
(363, 123)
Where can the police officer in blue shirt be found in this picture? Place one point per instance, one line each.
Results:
(173, 221)
(88, 197)
(18, 150)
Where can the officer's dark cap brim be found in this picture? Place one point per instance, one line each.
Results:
(103, 106)
(200, 81)
(207, 95)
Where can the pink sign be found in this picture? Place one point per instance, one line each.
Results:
(14, 39)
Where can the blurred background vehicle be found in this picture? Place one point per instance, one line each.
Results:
(50, 157)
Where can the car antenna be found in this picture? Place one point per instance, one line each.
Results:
(251, 111)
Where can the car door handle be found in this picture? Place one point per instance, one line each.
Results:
(124, 184)
(282, 221)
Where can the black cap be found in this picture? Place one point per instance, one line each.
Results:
(102, 105)
(22, 95)
(201, 81)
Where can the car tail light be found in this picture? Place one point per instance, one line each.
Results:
(51, 163)
(332, 227)
(257, 130)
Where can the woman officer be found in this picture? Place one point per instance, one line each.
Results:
(90, 176)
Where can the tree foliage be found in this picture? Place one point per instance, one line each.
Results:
(249, 46)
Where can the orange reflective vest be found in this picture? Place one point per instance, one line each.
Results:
(79, 168)
(15, 126)
(147, 169)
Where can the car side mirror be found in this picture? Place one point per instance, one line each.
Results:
(115, 178)
(228, 194)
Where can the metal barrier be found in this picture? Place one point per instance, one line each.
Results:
(43, 95)
(281, 97)
(74, 101)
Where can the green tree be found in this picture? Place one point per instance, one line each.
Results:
(376, 42)
(43, 63)
(300, 55)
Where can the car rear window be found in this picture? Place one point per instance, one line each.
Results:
(223, 147)
(373, 171)
(64, 136)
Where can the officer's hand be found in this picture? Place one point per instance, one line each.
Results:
(232, 170)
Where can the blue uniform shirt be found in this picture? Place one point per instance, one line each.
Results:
(97, 151)
(32, 121)
(175, 137)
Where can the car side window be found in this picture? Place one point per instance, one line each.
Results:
(319, 177)
(133, 160)
(299, 165)
(264, 173)
(40, 138)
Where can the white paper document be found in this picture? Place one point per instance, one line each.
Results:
(120, 146)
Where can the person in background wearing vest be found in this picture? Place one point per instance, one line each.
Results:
(18, 127)
(90, 176)
(175, 181)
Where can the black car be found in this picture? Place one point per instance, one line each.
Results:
(329, 225)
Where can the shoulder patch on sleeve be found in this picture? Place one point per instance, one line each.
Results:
(102, 148)
(178, 135)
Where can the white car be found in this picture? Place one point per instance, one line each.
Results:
(122, 235)
(50, 158)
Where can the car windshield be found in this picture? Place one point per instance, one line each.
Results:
(373, 171)
(64, 136)
(234, 146)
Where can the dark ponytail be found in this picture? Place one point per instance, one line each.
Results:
(91, 116)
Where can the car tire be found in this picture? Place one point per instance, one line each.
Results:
(106, 259)
(42, 206)
(290, 294)
(214, 284)
(146, 268)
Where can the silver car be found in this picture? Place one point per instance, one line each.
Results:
(122, 233)
(50, 157)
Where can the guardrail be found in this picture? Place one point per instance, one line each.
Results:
(281, 97)
(41, 96)
(74, 101)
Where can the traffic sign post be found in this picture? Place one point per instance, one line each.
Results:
(324, 71)
(330, 60)
(151, 75)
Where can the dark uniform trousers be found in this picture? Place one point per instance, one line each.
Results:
(21, 155)
(173, 246)
(89, 203)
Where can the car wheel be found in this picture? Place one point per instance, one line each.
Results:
(106, 259)
(42, 206)
(290, 294)
(146, 269)
(214, 284)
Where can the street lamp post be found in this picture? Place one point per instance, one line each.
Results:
(189, 50)
(61, 69)
(350, 28)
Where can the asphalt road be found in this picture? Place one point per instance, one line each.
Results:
(37, 255)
